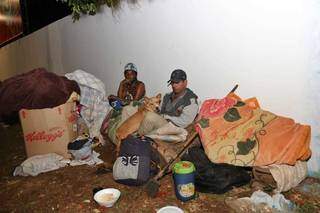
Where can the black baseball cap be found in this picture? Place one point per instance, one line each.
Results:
(177, 76)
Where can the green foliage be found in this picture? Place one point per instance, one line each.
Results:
(89, 7)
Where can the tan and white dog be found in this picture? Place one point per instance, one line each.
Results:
(132, 124)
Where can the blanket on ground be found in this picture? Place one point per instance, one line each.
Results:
(36, 89)
(169, 132)
(239, 132)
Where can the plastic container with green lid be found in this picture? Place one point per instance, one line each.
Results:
(183, 167)
(183, 175)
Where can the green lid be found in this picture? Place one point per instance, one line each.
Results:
(183, 167)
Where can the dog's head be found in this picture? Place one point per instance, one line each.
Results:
(152, 104)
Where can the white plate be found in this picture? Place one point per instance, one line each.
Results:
(170, 209)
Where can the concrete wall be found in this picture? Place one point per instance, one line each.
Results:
(39, 49)
(270, 48)
(24, 54)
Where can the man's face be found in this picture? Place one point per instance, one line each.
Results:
(179, 86)
(130, 75)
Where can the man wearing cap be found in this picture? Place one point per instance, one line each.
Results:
(130, 89)
(179, 107)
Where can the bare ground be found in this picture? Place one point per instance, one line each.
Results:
(69, 189)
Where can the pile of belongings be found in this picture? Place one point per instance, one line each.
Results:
(82, 151)
(81, 148)
(40, 164)
(39, 89)
(239, 132)
(260, 201)
(93, 101)
(36, 89)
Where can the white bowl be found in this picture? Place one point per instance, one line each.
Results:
(170, 209)
(107, 197)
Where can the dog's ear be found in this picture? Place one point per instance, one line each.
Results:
(159, 96)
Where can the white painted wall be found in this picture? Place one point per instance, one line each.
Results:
(24, 54)
(270, 48)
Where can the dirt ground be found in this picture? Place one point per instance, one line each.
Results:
(69, 189)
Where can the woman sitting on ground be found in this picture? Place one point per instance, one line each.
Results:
(130, 88)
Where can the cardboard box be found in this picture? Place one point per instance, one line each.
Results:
(49, 130)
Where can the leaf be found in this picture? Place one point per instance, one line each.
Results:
(91, 7)
(232, 115)
(239, 104)
(204, 123)
(244, 147)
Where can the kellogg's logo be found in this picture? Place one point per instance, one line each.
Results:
(47, 136)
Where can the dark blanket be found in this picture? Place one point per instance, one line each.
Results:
(215, 178)
(35, 89)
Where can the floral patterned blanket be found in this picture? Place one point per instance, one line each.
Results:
(239, 132)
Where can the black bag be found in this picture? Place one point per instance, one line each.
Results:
(215, 178)
(133, 166)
